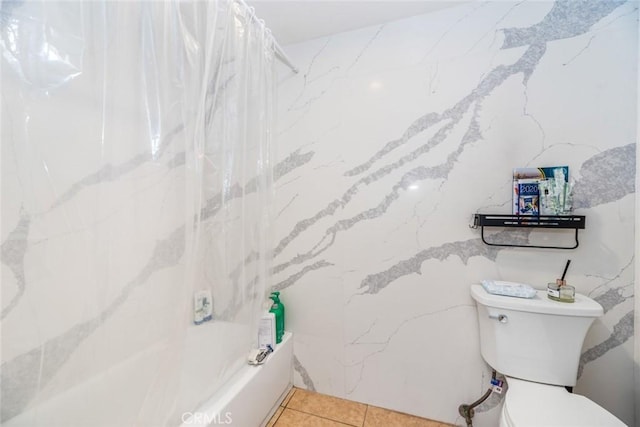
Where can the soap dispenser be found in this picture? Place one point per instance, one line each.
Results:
(278, 309)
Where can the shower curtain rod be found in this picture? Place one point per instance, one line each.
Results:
(282, 56)
(280, 53)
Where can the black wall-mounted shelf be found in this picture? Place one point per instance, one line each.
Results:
(573, 222)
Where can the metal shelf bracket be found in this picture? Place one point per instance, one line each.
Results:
(572, 222)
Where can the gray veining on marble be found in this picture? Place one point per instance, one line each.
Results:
(464, 250)
(179, 159)
(306, 378)
(535, 37)
(12, 254)
(305, 80)
(526, 64)
(566, 19)
(416, 127)
(110, 172)
(610, 190)
(291, 162)
(56, 351)
(215, 203)
(622, 331)
(282, 168)
(20, 382)
(385, 342)
(366, 46)
(21, 376)
(611, 298)
(417, 174)
(240, 292)
(24, 376)
(291, 280)
(303, 225)
(316, 250)
(614, 294)
(606, 177)
(284, 208)
(531, 59)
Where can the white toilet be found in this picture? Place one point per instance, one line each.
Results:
(536, 344)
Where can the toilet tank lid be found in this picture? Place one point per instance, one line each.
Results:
(582, 307)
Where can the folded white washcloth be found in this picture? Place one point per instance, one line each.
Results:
(509, 289)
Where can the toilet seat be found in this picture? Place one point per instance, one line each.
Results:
(529, 404)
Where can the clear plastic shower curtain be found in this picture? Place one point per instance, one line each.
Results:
(136, 170)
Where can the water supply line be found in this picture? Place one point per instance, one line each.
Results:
(467, 410)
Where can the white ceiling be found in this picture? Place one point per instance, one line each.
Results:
(294, 21)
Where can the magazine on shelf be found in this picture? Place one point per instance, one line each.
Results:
(526, 194)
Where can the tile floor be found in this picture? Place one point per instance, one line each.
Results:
(302, 408)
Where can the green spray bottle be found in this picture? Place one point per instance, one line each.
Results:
(278, 309)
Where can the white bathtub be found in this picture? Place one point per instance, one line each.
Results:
(250, 396)
(247, 399)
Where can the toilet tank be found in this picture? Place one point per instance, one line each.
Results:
(534, 339)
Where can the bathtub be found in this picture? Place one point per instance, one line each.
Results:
(247, 399)
(252, 395)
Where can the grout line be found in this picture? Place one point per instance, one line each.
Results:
(339, 399)
(288, 397)
(325, 418)
(366, 411)
(320, 416)
(277, 418)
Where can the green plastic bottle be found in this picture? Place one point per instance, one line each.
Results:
(278, 309)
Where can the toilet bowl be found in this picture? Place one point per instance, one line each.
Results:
(530, 404)
(535, 343)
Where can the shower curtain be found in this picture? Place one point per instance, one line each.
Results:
(136, 170)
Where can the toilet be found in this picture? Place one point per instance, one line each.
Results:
(535, 343)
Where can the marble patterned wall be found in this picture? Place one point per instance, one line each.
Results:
(400, 133)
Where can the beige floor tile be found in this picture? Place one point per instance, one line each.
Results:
(378, 417)
(288, 397)
(275, 417)
(336, 409)
(293, 418)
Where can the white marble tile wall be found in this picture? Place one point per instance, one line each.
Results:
(404, 130)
